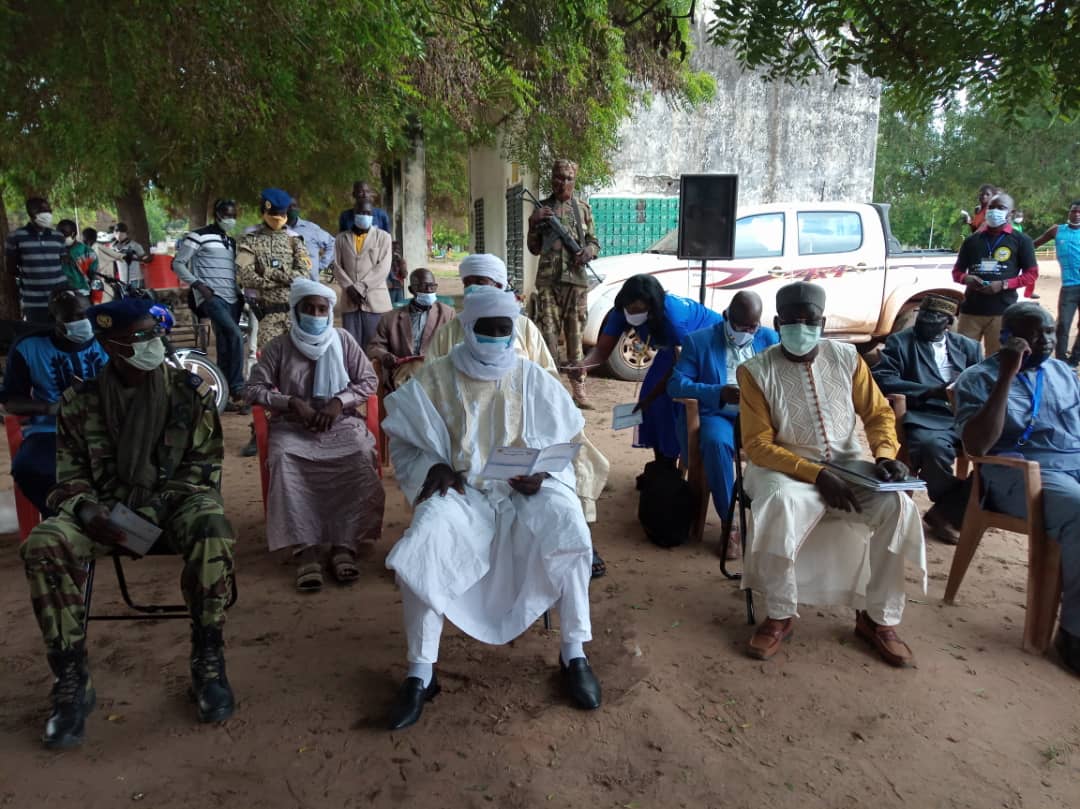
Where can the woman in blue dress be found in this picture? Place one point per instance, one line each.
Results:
(662, 321)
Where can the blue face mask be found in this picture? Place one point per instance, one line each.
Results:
(79, 331)
(799, 339)
(310, 324)
(502, 342)
(425, 299)
(362, 221)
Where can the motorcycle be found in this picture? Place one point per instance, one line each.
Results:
(193, 360)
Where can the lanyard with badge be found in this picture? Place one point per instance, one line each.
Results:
(989, 265)
(1036, 400)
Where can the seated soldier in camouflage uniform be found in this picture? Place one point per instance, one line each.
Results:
(148, 436)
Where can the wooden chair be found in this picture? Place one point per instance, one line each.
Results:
(694, 468)
(1044, 555)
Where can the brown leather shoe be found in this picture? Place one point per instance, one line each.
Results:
(884, 638)
(769, 637)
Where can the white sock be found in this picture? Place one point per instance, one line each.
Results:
(423, 671)
(571, 651)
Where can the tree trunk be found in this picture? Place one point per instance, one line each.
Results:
(131, 209)
(197, 209)
(9, 290)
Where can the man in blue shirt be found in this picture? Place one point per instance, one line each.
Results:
(361, 193)
(319, 243)
(1023, 403)
(706, 372)
(39, 369)
(1067, 245)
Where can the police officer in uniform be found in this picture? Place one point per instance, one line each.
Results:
(144, 435)
(268, 260)
(558, 306)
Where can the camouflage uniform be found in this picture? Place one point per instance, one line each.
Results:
(268, 261)
(186, 503)
(558, 305)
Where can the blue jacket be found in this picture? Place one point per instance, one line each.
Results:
(701, 371)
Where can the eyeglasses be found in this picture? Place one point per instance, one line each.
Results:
(142, 336)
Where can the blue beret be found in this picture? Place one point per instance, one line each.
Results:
(274, 199)
(119, 314)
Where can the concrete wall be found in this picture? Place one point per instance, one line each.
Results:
(786, 142)
(490, 175)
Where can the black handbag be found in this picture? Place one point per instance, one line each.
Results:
(666, 504)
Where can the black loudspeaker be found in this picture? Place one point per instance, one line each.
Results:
(707, 215)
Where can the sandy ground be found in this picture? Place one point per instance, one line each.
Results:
(687, 721)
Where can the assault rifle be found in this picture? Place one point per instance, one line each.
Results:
(569, 242)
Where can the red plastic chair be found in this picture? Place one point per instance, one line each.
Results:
(28, 515)
(262, 439)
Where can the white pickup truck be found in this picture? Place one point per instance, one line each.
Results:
(873, 286)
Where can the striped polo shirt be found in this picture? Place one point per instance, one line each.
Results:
(208, 255)
(40, 270)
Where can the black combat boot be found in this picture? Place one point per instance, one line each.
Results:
(72, 699)
(209, 685)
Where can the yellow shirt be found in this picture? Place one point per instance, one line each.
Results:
(359, 239)
(759, 436)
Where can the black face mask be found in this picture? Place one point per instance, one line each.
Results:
(931, 329)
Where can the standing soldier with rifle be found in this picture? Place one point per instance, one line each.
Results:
(561, 232)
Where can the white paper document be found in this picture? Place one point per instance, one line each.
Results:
(623, 416)
(140, 534)
(514, 462)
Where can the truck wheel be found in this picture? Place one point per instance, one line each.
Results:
(905, 319)
(631, 359)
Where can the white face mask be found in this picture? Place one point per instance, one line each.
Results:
(68, 241)
(996, 217)
(148, 355)
(79, 331)
(635, 320)
(43, 219)
(737, 338)
(227, 224)
(425, 299)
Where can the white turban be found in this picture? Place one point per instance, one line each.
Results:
(304, 287)
(325, 349)
(488, 361)
(485, 265)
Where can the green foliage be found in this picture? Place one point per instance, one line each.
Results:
(198, 99)
(931, 167)
(1007, 54)
(445, 236)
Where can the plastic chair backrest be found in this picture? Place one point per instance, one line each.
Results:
(262, 439)
(28, 515)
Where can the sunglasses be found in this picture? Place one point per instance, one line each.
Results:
(142, 336)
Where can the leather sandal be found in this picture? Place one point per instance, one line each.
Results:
(309, 577)
(343, 566)
(884, 638)
(769, 637)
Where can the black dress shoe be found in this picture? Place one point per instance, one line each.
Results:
(1068, 646)
(409, 702)
(581, 683)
